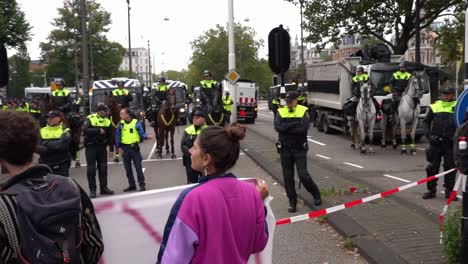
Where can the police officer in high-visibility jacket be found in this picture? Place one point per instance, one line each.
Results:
(227, 102)
(97, 133)
(62, 98)
(208, 85)
(399, 83)
(275, 105)
(122, 95)
(439, 127)
(189, 137)
(129, 133)
(158, 95)
(54, 144)
(292, 123)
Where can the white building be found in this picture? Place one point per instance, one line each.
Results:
(429, 54)
(140, 64)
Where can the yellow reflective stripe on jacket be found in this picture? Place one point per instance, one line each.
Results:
(401, 75)
(275, 101)
(443, 107)
(98, 121)
(208, 83)
(120, 92)
(298, 112)
(52, 132)
(130, 134)
(361, 77)
(62, 92)
(227, 102)
(192, 131)
(161, 88)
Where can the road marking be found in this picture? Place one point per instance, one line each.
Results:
(316, 142)
(459, 196)
(265, 115)
(354, 165)
(152, 151)
(421, 149)
(396, 178)
(323, 157)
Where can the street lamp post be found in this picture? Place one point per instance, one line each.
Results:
(302, 46)
(129, 44)
(418, 33)
(149, 66)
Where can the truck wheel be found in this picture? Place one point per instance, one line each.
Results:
(315, 120)
(318, 123)
(324, 125)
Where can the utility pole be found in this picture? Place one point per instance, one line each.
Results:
(302, 47)
(129, 44)
(232, 56)
(418, 33)
(84, 48)
(149, 66)
(91, 46)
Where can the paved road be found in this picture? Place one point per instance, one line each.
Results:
(404, 226)
(307, 242)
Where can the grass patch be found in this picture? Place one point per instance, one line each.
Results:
(349, 244)
(451, 238)
(328, 192)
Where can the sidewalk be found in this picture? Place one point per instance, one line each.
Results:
(385, 231)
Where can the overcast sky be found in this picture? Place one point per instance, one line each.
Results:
(170, 40)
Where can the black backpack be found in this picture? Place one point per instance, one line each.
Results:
(48, 213)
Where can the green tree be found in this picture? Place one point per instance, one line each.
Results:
(63, 46)
(14, 32)
(329, 20)
(20, 76)
(210, 52)
(37, 77)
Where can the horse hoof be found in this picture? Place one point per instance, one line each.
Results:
(173, 156)
(383, 146)
(371, 151)
(413, 152)
(403, 152)
(159, 156)
(363, 151)
(116, 160)
(395, 146)
(353, 146)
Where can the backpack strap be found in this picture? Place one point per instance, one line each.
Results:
(9, 222)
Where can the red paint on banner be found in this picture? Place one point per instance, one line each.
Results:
(144, 224)
(258, 259)
(103, 207)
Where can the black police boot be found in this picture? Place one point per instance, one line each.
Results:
(92, 194)
(142, 188)
(106, 191)
(318, 201)
(429, 194)
(292, 207)
(130, 188)
(447, 195)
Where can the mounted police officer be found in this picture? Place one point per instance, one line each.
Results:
(399, 83)
(189, 137)
(227, 103)
(208, 86)
(97, 132)
(54, 145)
(275, 104)
(292, 124)
(361, 78)
(122, 95)
(440, 128)
(62, 98)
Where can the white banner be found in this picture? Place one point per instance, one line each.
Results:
(133, 225)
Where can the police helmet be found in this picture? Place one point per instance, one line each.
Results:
(120, 83)
(60, 82)
(360, 69)
(206, 73)
(402, 65)
(162, 79)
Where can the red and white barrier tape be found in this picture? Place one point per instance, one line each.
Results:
(452, 196)
(337, 208)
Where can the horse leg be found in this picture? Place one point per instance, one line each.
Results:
(413, 135)
(394, 130)
(166, 137)
(403, 136)
(173, 156)
(353, 126)
(371, 135)
(362, 130)
(383, 142)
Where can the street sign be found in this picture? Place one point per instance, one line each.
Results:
(232, 76)
(461, 107)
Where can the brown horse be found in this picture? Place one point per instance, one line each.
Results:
(114, 115)
(166, 120)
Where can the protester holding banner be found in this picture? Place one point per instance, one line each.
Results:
(44, 218)
(189, 137)
(222, 219)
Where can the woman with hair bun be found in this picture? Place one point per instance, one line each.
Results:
(221, 219)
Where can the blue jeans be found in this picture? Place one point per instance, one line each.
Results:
(133, 154)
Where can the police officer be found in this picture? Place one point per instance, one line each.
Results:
(292, 124)
(62, 98)
(227, 102)
(129, 133)
(122, 95)
(440, 128)
(34, 110)
(301, 99)
(208, 85)
(54, 144)
(189, 137)
(97, 132)
(399, 83)
(358, 80)
(275, 104)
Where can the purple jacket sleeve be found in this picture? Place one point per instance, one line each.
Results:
(180, 245)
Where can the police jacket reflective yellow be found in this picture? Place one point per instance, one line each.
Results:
(123, 96)
(439, 120)
(190, 135)
(399, 82)
(358, 80)
(92, 130)
(62, 99)
(292, 126)
(54, 145)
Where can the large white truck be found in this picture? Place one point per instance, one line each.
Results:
(247, 100)
(329, 85)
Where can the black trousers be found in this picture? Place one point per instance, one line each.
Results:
(61, 169)
(289, 158)
(96, 155)
(192, 176)
(435, 153)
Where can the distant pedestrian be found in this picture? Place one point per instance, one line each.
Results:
(44, 218)
(222, 219)
(189, 137)
(129, 133)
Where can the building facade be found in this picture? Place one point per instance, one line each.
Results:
(140, 64)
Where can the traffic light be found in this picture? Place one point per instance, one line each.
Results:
(279, 57)
(3, 66)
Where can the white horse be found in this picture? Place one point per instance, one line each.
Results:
(365, 115)
(408, 112)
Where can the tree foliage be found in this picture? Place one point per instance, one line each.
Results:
(14, 29)
(327, 21)
(450, 39)
(64, 43)
(210, 52)
(20, 76)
